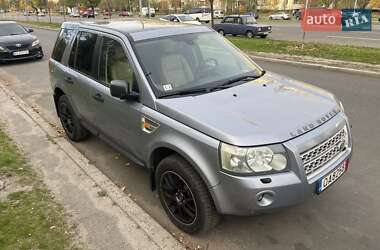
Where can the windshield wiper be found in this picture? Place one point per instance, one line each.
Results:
(232, 81)
(225, 85)
(188, 92)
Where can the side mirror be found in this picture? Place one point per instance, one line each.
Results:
(29, 30)
(121, 89)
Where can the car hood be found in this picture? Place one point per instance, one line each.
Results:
(267, 110)
(12, 40)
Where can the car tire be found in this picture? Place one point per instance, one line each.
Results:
(221, 32)
(270, 18)
(197, 19)
(263, 36)
(184, 196)
(249, 34)
(70, 122)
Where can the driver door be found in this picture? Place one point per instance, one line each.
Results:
(119, 121)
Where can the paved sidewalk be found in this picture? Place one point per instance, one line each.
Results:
(105, 216)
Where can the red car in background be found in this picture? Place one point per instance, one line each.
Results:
(125, 13)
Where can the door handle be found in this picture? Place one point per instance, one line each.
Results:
(98, 97)
(69, 80)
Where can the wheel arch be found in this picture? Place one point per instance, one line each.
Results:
(164, 150)
(58, 92)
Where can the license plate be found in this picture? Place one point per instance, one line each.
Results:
(20, 53)
(331, 177)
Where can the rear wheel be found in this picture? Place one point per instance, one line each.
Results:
(184, 196)
(221, 32)
(70, 122)
(249, 34)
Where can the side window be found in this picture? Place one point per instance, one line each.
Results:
(114, 64)
(63, 40)
(82, 53)
(229, 20)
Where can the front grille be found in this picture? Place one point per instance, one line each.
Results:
(316, 157)
(14, 47)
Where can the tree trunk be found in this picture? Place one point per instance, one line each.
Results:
(212, 12)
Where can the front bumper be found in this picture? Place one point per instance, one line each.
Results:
(242, 195)
(34, 52)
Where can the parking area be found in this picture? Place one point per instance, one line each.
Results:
(343, 217)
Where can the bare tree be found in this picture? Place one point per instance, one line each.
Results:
(212, 12)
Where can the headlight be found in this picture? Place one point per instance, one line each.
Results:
(35, 43)
(259, 29)
(2, 49)
(253, 160)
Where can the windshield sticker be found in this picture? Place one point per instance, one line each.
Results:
(167, 87)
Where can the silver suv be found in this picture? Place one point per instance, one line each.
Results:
(218, 133)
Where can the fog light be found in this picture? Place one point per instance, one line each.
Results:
(265, 198)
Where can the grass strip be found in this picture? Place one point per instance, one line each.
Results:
(327, 51)
(29, 216)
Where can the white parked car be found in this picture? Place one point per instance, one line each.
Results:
(41, 14)
(200, 14)
(180, 18)
(219, 14)
(74, 14)
(279, 16)
(144, 11)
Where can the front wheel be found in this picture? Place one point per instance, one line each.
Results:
(249, 34)
(184, 196)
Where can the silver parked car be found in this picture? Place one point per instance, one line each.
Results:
(279, 16)
(218, 134)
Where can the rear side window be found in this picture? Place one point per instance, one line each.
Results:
(63, 40)
(82, 53)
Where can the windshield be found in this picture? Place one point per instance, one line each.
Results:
(185, 18)
(251, 20)
(186, 62)
(11, 29)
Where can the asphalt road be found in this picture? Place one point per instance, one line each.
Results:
(344, 217)
(282, 30)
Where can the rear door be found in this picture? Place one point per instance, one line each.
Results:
(82, 72)
(119, 121)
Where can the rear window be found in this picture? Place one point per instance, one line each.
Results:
(82, 54)
(63, 40)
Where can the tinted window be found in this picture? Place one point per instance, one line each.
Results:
(114, 64)
(63, 40)
(82, 54)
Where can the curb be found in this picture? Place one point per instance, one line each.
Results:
(304, 61)
(153, 231)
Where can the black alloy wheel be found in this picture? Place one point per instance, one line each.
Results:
(178, 197)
